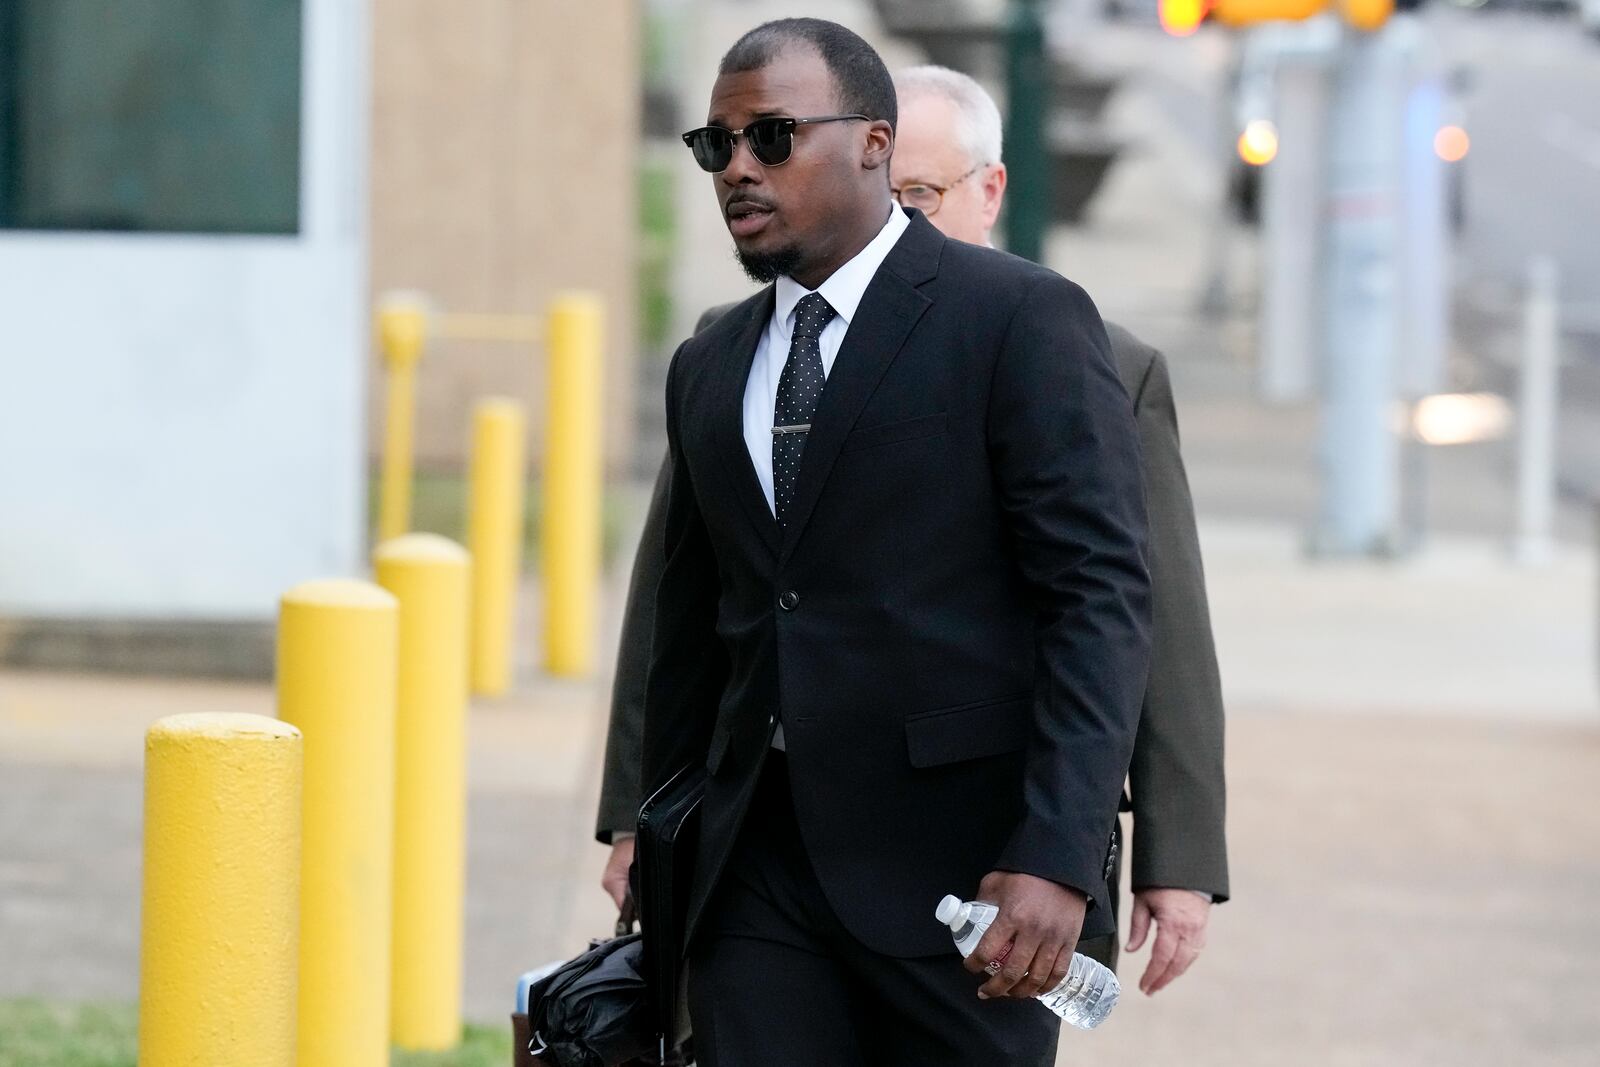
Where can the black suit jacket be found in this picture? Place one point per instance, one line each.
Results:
(954, 627)
(1176, 777)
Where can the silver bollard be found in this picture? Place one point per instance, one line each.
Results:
(1536, 416)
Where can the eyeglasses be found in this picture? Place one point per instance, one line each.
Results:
(771, 140)
(928, 198)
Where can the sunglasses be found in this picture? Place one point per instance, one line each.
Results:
(770, 140)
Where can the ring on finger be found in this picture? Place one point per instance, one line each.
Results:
(992, 968)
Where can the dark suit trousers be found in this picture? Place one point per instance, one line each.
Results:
(775, 980)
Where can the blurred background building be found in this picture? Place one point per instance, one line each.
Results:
(197, 203)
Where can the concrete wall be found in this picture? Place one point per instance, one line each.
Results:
(503, 171)
(180, 416)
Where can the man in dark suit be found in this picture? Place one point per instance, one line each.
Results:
(947, 162)
(903, 620)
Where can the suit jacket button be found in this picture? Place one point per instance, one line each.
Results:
(789, 600)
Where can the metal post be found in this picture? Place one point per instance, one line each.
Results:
(495, 529)
(221, 891)
(1214, 290)
(1425, 260)
(1536, 415)
(1291, 218)
(427, 574)
(337, 669)
(403, 334)
(574, 485)
(1359, 452)
(1027, 155)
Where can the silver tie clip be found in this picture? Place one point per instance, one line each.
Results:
(794, 427)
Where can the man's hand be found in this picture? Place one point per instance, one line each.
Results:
(1033, 936)
(614, 879)
(1180, 916)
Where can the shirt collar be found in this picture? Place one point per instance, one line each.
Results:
(845, 287)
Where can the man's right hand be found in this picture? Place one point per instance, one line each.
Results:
(614, 879)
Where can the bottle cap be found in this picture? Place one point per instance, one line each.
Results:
(949, 911)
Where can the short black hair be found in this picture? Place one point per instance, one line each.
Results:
(863, 81)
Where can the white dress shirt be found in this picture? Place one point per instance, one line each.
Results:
(843, 291)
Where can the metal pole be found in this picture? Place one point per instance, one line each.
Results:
(403, 334)
(427, 574)
(1425, 259)
(222, 802)
(338, 661)
(1536, 415)
(495, 528)
(1214, 290)
(1359, 453)
(574, 485)
(1027, 155)
(1291, 224)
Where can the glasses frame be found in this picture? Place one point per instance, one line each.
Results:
(783, 123)
(938, 189)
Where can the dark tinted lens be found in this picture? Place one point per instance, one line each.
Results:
(712, 148)
(770, 140)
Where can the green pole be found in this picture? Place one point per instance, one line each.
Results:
(1026, 154)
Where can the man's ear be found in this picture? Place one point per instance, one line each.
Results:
(994, 193)
(880, 145)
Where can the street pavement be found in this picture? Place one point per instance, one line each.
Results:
(1413, 744)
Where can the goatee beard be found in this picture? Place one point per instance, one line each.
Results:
(765, 267)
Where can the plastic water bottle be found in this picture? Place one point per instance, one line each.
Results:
(530, 978)
(1085, 996)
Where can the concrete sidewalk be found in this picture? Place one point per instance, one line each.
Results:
(71, 795)
(1386, 869)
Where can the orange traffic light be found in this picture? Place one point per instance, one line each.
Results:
(1182, 17)
(1452, 144)
(1248, 12)
(1367, 16)
(1258, 144)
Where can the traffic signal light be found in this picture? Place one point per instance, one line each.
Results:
(1366, 15)
(1249, 12)
(1182, 17)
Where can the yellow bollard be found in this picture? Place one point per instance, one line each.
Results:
(220, 919)
(402, 333)
(570, 527)
(337, 644)
(494, 537)
(428, 575)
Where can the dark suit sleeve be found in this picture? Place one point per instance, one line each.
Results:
(1065, 454)
(619, 785)
(688, 664)
(1177, 783)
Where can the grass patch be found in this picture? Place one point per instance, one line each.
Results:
(41, 1034)
(482, 1046)
(38, 1034)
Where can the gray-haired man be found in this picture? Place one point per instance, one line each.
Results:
(947, 165)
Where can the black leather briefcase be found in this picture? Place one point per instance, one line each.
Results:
(669, 832)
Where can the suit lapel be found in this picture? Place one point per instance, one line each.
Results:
(889, 310)
(729, 414)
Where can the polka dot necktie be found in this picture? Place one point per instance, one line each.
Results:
(799, 389)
